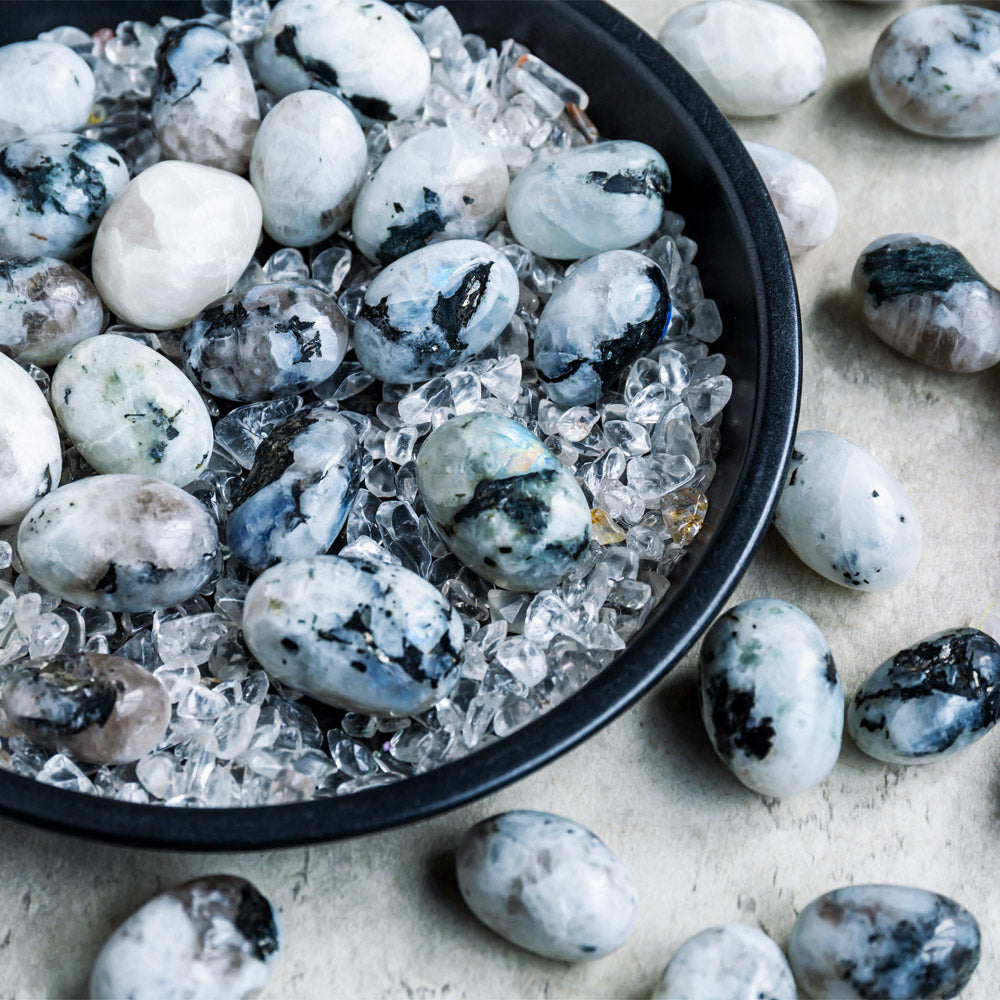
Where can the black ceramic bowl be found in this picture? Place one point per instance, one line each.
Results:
(638, 92)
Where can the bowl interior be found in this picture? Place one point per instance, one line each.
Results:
(637, 91)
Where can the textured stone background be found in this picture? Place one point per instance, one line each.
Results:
(380, 917)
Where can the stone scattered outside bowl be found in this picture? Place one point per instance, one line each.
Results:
(637, 91)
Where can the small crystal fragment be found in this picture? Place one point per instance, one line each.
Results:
(684, 513)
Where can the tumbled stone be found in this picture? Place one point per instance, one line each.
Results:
(845, 516)
(434, 308)
(547, 884)
(128, 409)
(803, 198)
(750, 56)
(505, 505)
(176, 239)
(94, 707)
(54, 191)
(440, 184)
(44, 87)
(214, 938)
(46, 306)
(889, 941)
(204, 104)
(924, 299)
(307, 165)
(929, 700)
(364, 51)
(365, 636)
(272, 339)
(936, 70)
(770, 696)
(606, 313)
(584, 201)
(731, 962)
(297, 496)
(121, 543)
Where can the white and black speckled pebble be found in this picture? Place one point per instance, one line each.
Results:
(547, 884)
(370, 637)
(929, 700)
(214, 938)
(888, 941)
(771, 699)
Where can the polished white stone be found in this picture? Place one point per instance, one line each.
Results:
(44, 87)
(30, 453)
(752, 57)
(128, 409)
(177, 238)
(803, 198)
(307, 165)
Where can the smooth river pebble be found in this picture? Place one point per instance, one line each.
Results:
(922, 297)
(936, 70)
(506, 506)
(94, 707)
(121, 543)
(215, 938)
(752, 57)
(771, 699)
(888, 941)
(368, 637)
(583, 201)
(176, 239)
(929, 700)
(730, 962)
(845, 516)
(547, 884)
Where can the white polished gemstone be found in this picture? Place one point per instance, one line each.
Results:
(803, 198)
(307, 164)
(30, 453)
(128, 409)
(177, 238)
(44, 87)
(752, 57)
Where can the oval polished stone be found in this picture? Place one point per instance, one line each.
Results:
(204, 104)
(929, 700)
(440, 184)
(845, 516)
(30, 452)
(583, 201)
(434, 308)
(606, 313)
(803, 198)
(924, 299)
(771, 699)
(177, 238)
(307, 165)
(54, 191)
(121, 543)
(368, 637)
(272, 339)
(889, 941)
(128, 409)
(751, 57)
(936, 70)
(94, 707)
(731, 962)
(506, 506)
(44, 87)
(364, 51)
(297, 496)
(46, 306)
(214, 938)
(547, 884)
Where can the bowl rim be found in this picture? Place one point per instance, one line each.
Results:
(623, 682)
